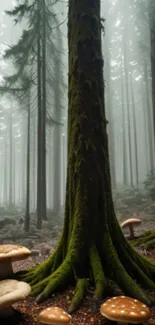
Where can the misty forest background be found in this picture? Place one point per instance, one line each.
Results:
(33, 105)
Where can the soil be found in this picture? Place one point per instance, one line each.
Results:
(86, 315)
(28, 309)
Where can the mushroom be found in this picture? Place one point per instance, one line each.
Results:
(8, 254)
(130, 223)
(54, 316)
(125, 310)
(10, 292)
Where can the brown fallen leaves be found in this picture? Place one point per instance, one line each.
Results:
(29, 309)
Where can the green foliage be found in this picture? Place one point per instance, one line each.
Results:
(19, 11)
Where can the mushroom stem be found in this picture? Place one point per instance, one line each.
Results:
(6, 270)
(132, 235)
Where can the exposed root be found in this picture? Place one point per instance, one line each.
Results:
(119, 273)
(80, 291)
(147, 266)
(134, 270)
(149, 236)
(40, 272)
(150, 245)
(56, 281)
(97, 273)
(116, 263)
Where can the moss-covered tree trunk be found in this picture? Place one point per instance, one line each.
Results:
(92, 248)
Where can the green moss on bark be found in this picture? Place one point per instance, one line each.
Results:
(92, 245)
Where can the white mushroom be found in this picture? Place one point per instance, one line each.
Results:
(10, 292)
(8, 254)
(54, 316)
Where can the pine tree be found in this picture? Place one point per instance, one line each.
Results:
(92, 246)
(33, 50)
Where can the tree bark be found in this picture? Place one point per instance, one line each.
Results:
(57, 130)
(39, 131)
(134, 135)
(92, 246)
(27, 212)
(10, 161)
(43, 167)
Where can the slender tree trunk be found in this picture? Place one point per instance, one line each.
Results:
(27, 212)
(5, 173)
(39, 131)
(23, 165)
(34, 163)
(13, 171)
(135, 135)
(149, 118)
(10, 161)
(126, 76)
(152, 31)
(124, 156)
(57, 138)
(44, 213)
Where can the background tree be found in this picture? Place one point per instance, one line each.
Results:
(35, 48)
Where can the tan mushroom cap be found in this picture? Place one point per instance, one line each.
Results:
(54, 316)
(15, 252)
(125, 309)
(12, 291)
(129, 221)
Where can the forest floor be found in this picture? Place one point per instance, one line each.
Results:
(29, 309)
(86, 315)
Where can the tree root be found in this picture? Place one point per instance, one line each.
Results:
(80, 291)
(119, 273)
(56, 281)
(116, 264)
(142, 241)
(97, 273)
(147, 266)
(40, 272)
(134, 269)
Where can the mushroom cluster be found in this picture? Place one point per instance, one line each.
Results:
(125, 309)
(11, 290)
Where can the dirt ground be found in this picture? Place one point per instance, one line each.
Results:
(29, 309)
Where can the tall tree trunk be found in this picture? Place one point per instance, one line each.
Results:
(92, 243)
(5, 173)
(27, 212)
(57, 154)
(149, 117)
(57, 137)
(44, 213)
(23, 165)
(124, 156)
(126, 76)
(39, 131)
(10, 161)
(34, 162)
(152, 30)
(135, 134)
